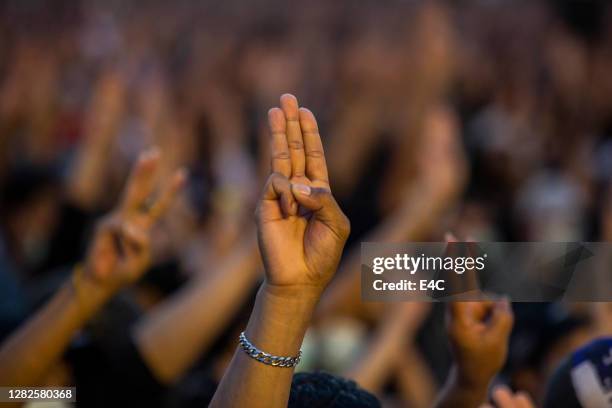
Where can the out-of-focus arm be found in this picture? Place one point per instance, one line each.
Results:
(27, 354)
(172, 336)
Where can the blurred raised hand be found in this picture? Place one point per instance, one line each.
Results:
(118, 255)
(120, 251)
(434, 163)
(90, 171)
(423, 201)
(479, 333)
(301, 228)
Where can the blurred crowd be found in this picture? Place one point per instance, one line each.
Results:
(492, 119)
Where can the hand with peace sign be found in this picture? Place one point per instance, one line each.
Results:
(118, 256)
(120, 251)
(301, 228)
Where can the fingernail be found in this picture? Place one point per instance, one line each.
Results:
(302, 189)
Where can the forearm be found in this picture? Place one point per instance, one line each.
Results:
(277, 325)
(169, 342)
(416, 382)
(29, 352)
(84, 185)
(374, 368)
(458, 393)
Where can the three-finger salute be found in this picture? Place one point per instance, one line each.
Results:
(301, 228)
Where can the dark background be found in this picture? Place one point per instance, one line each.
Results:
(495, 114)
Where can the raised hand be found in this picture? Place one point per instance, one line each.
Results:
(102, 119)
(301, 228)
(301, 233)
(118, 255)
(441, 161)
(120, 251)
(479, 333)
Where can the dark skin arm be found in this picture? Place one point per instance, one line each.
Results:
(301, 233)
(478, 333)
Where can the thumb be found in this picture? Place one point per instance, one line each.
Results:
(324, 207)
(278, 188)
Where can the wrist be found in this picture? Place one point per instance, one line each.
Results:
(458, 392)
(88, 291)
(77, 299)
(289, 305)
(280, 318)
(471, 380)
(293, 295)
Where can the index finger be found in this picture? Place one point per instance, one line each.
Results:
(141, 181)
(316, 167)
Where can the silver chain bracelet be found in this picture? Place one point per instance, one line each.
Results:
(266, 358)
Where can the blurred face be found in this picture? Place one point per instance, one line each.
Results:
(36, 222)
(564, 347)
(534, 381)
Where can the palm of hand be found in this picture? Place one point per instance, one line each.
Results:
(120, 251)
(300, 242)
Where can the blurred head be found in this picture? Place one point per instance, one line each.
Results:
(543, 335)
(583, 379)
(29, 210)
(322, 390)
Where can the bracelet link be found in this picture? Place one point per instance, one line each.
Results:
(265, 358)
